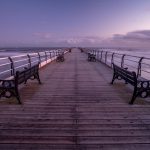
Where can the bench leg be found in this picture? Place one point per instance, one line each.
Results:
(18, 98)
(133, 96)
(113, 79)
(38, 78)
(17, 95)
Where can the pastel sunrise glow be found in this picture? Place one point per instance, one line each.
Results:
(75, 23)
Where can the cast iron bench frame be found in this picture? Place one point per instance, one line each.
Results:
(91, 57)
(141, 85)
(9, 87)
(81, 50)
(60, 57)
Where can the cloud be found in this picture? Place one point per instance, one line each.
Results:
(42, 35)
(135, 36)
(136, 39)
(139, 38)
(67, 40)
(84, 40)
(73, 41)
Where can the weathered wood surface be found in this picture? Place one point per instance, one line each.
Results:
(76, 109)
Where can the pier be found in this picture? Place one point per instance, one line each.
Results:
(75, 108)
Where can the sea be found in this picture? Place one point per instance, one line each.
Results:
(14, 51)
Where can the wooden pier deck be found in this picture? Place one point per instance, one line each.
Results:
(74, 109)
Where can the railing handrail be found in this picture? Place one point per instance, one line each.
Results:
(109, 57)
(123, 54)
(12, 62)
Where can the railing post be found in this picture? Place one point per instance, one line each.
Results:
(95, 52)
(97, 55)
(122, 61)
(139, 67)
(45, 57)
(12, 66)
(50, 54)
(106, 57)
(39, 58)
(29, 60)
(54, 53)
(101, 55)
(57, 52)
(112, 59)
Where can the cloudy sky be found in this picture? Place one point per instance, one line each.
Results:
(75, 23)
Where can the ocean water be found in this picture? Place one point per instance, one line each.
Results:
(7, 54)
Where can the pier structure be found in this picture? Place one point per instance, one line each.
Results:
(75, 108)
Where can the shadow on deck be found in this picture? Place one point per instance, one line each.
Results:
(75, 108)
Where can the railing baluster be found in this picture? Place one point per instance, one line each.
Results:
(112, 59)
(50, 54)
(12, 66)
(29, 60)
(139, 67)
(98, 55)
(106, 57)
(101, 55)
(122, 61)
(39, 58)
(45, 57)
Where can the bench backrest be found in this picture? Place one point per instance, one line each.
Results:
(91, 55)
(128, 76)
(22, 76)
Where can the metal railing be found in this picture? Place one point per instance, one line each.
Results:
(9, 65)
(141, 65)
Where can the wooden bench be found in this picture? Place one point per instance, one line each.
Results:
(60, 57)
(9, 87)
(141, 85)
(91, 57)
(81, 50)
